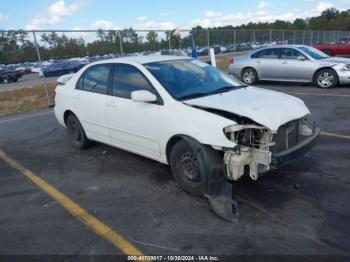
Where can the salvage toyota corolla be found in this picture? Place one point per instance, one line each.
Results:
(208, 126)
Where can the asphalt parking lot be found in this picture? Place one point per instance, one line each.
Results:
(302, 209)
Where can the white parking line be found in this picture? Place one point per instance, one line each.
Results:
(315, 94)
(335, 135)
(25, 117)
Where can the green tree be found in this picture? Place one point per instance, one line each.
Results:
(299, 24)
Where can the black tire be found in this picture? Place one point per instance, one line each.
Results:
(326, 78)
(191, 164)
(249, 76)
(328, 52)
(76, 133)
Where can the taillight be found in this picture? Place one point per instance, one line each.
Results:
(232, 61)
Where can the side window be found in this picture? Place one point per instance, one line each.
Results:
(266, 53)
(95, 79)
(289, 53)
(271, 53)
(126, 79)
(257, 54)
(80, 82)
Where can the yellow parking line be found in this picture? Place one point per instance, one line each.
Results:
(315, 94)
(77, 211)
(335, 135)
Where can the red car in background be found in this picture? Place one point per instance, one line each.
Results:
(342, 48)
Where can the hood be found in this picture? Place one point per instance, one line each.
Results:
(268, 108)
(336, 60)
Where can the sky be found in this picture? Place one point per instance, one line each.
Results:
(153, 14)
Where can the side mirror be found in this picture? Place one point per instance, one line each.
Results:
(301, 58)
(143, 96)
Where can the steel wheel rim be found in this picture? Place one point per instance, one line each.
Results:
(326, 79)
(75, 133)
(248, 77)
(189, 168)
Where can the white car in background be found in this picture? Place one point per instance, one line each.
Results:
(206, 125)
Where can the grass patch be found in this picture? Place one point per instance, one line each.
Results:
(25, 99)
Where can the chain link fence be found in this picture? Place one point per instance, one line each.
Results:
(53, 53)
(32, 46)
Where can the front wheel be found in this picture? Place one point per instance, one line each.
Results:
(326, 78)
(192, 164)
(76, 133)
(249, 76)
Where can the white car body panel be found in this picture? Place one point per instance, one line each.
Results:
(268, 108)
(91, 111)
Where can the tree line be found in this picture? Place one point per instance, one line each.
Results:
(18, 46)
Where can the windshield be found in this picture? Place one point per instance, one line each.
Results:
(313, 52)
(189, 78)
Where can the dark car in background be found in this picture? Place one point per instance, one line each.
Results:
(62, 68)
(8, 76)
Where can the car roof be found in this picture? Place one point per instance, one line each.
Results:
(282, 46)
(140, 59)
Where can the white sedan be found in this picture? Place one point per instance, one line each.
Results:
(208, 126)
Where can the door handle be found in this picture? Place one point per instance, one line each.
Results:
(258, 62)
(77, 97)
(284, 62)
(111, 104)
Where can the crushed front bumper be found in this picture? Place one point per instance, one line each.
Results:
(344, 77)
(293, 153)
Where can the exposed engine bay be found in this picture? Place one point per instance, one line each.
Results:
(256, 145)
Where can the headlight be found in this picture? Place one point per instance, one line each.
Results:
(249, 135)
(342, 67)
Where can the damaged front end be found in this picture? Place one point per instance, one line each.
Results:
(251, 153)
(259, 149)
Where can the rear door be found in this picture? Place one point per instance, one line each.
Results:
(89, 101)
(133, 126)
(266, 63)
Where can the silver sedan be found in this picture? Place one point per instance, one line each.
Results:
(292, 63)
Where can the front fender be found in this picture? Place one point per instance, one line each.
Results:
(205, 127)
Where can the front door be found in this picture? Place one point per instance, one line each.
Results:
(133, 126)
(294, 66)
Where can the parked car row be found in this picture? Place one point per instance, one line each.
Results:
(297, 63)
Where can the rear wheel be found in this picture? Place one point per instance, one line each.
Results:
(191, 164)
(5, 81)
(249, 76)
(76, 133)
(326, 78)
